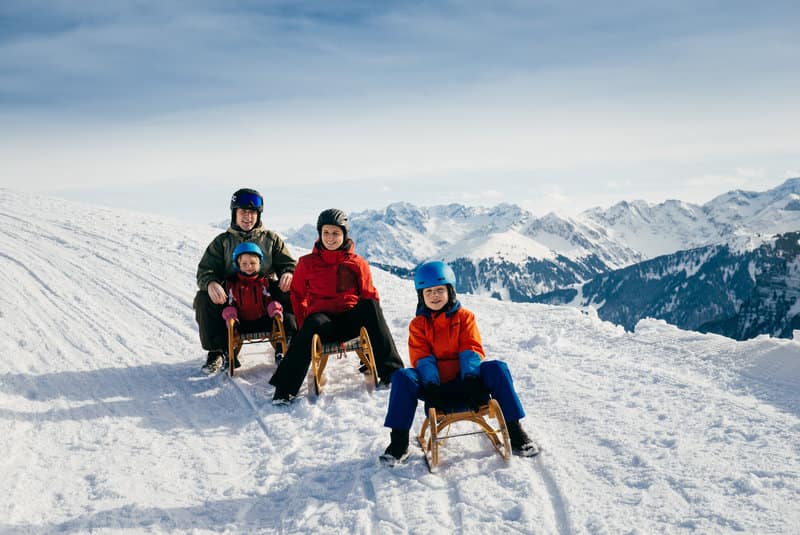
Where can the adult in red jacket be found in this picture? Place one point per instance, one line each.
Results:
(333, 296)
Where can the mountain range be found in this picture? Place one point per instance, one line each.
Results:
(508, 253)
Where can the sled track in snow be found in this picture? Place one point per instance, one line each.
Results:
(557, 501)
(249, 402)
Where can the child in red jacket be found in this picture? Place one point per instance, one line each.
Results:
(447, 360)
(249, 301)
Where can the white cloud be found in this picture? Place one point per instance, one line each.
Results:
(216, 92)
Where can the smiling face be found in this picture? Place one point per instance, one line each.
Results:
(435, 297)
(248, 263)
(331, 236)
(246, 219)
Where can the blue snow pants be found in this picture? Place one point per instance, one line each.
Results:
(407, 389)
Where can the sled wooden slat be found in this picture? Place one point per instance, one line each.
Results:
(276, 337)
(320, 352)
(437, 422)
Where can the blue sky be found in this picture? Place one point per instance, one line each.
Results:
(557, 106)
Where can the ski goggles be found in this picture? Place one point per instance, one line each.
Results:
(247, 200)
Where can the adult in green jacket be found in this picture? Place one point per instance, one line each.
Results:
(216, 265)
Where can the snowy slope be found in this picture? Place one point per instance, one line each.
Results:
(108, 427)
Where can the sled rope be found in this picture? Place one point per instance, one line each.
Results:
(442, 440)
(340, 349)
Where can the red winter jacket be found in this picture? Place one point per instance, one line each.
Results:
(249, 294)
(330, 281)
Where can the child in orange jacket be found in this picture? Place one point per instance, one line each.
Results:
(447, 360)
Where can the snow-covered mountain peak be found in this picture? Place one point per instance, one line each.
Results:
(741, 243)
(505, 246)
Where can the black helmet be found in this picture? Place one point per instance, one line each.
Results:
(248, 199)
(333, 216)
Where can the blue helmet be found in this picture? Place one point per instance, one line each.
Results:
(249, 248)
(434, 273)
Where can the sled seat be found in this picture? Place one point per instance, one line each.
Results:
(321, 351)
(236, 340)
(489, 418)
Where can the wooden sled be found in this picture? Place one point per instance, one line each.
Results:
(321, 351)
(276, 337)
(430, 435)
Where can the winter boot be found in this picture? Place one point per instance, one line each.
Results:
(226, 361)
(213, 362)
(397, 451)
(281, 397)
(521, 443)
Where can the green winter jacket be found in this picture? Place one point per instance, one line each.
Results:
(217, 262)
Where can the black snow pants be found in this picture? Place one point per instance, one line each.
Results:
(292, 370)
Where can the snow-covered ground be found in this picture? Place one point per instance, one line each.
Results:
(107, 425)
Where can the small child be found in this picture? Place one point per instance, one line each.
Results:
(249, 301)
(446, 354)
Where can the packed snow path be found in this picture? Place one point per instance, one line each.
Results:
(108, 426)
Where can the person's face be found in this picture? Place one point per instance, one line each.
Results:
(248, 263)
(332, 237)
(246, 219)
(435, 297)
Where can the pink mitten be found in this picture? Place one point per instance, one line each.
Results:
(274, 308)
(229, 313)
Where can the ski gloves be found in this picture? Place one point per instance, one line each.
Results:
(274, 309)
(475, 392)
(433, 395)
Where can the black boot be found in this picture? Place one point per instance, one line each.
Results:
(397, 451)
(521, 443)
(281, 397)
(213, 362)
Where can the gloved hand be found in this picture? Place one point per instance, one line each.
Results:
(476, 392)
(433, 395)
(230, 313)
(274, 308)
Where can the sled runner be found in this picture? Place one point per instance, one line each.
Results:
(276, 337)
(430, 435)
(321, 351)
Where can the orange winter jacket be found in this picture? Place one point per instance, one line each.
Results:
(448, 336)
(330, 281)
